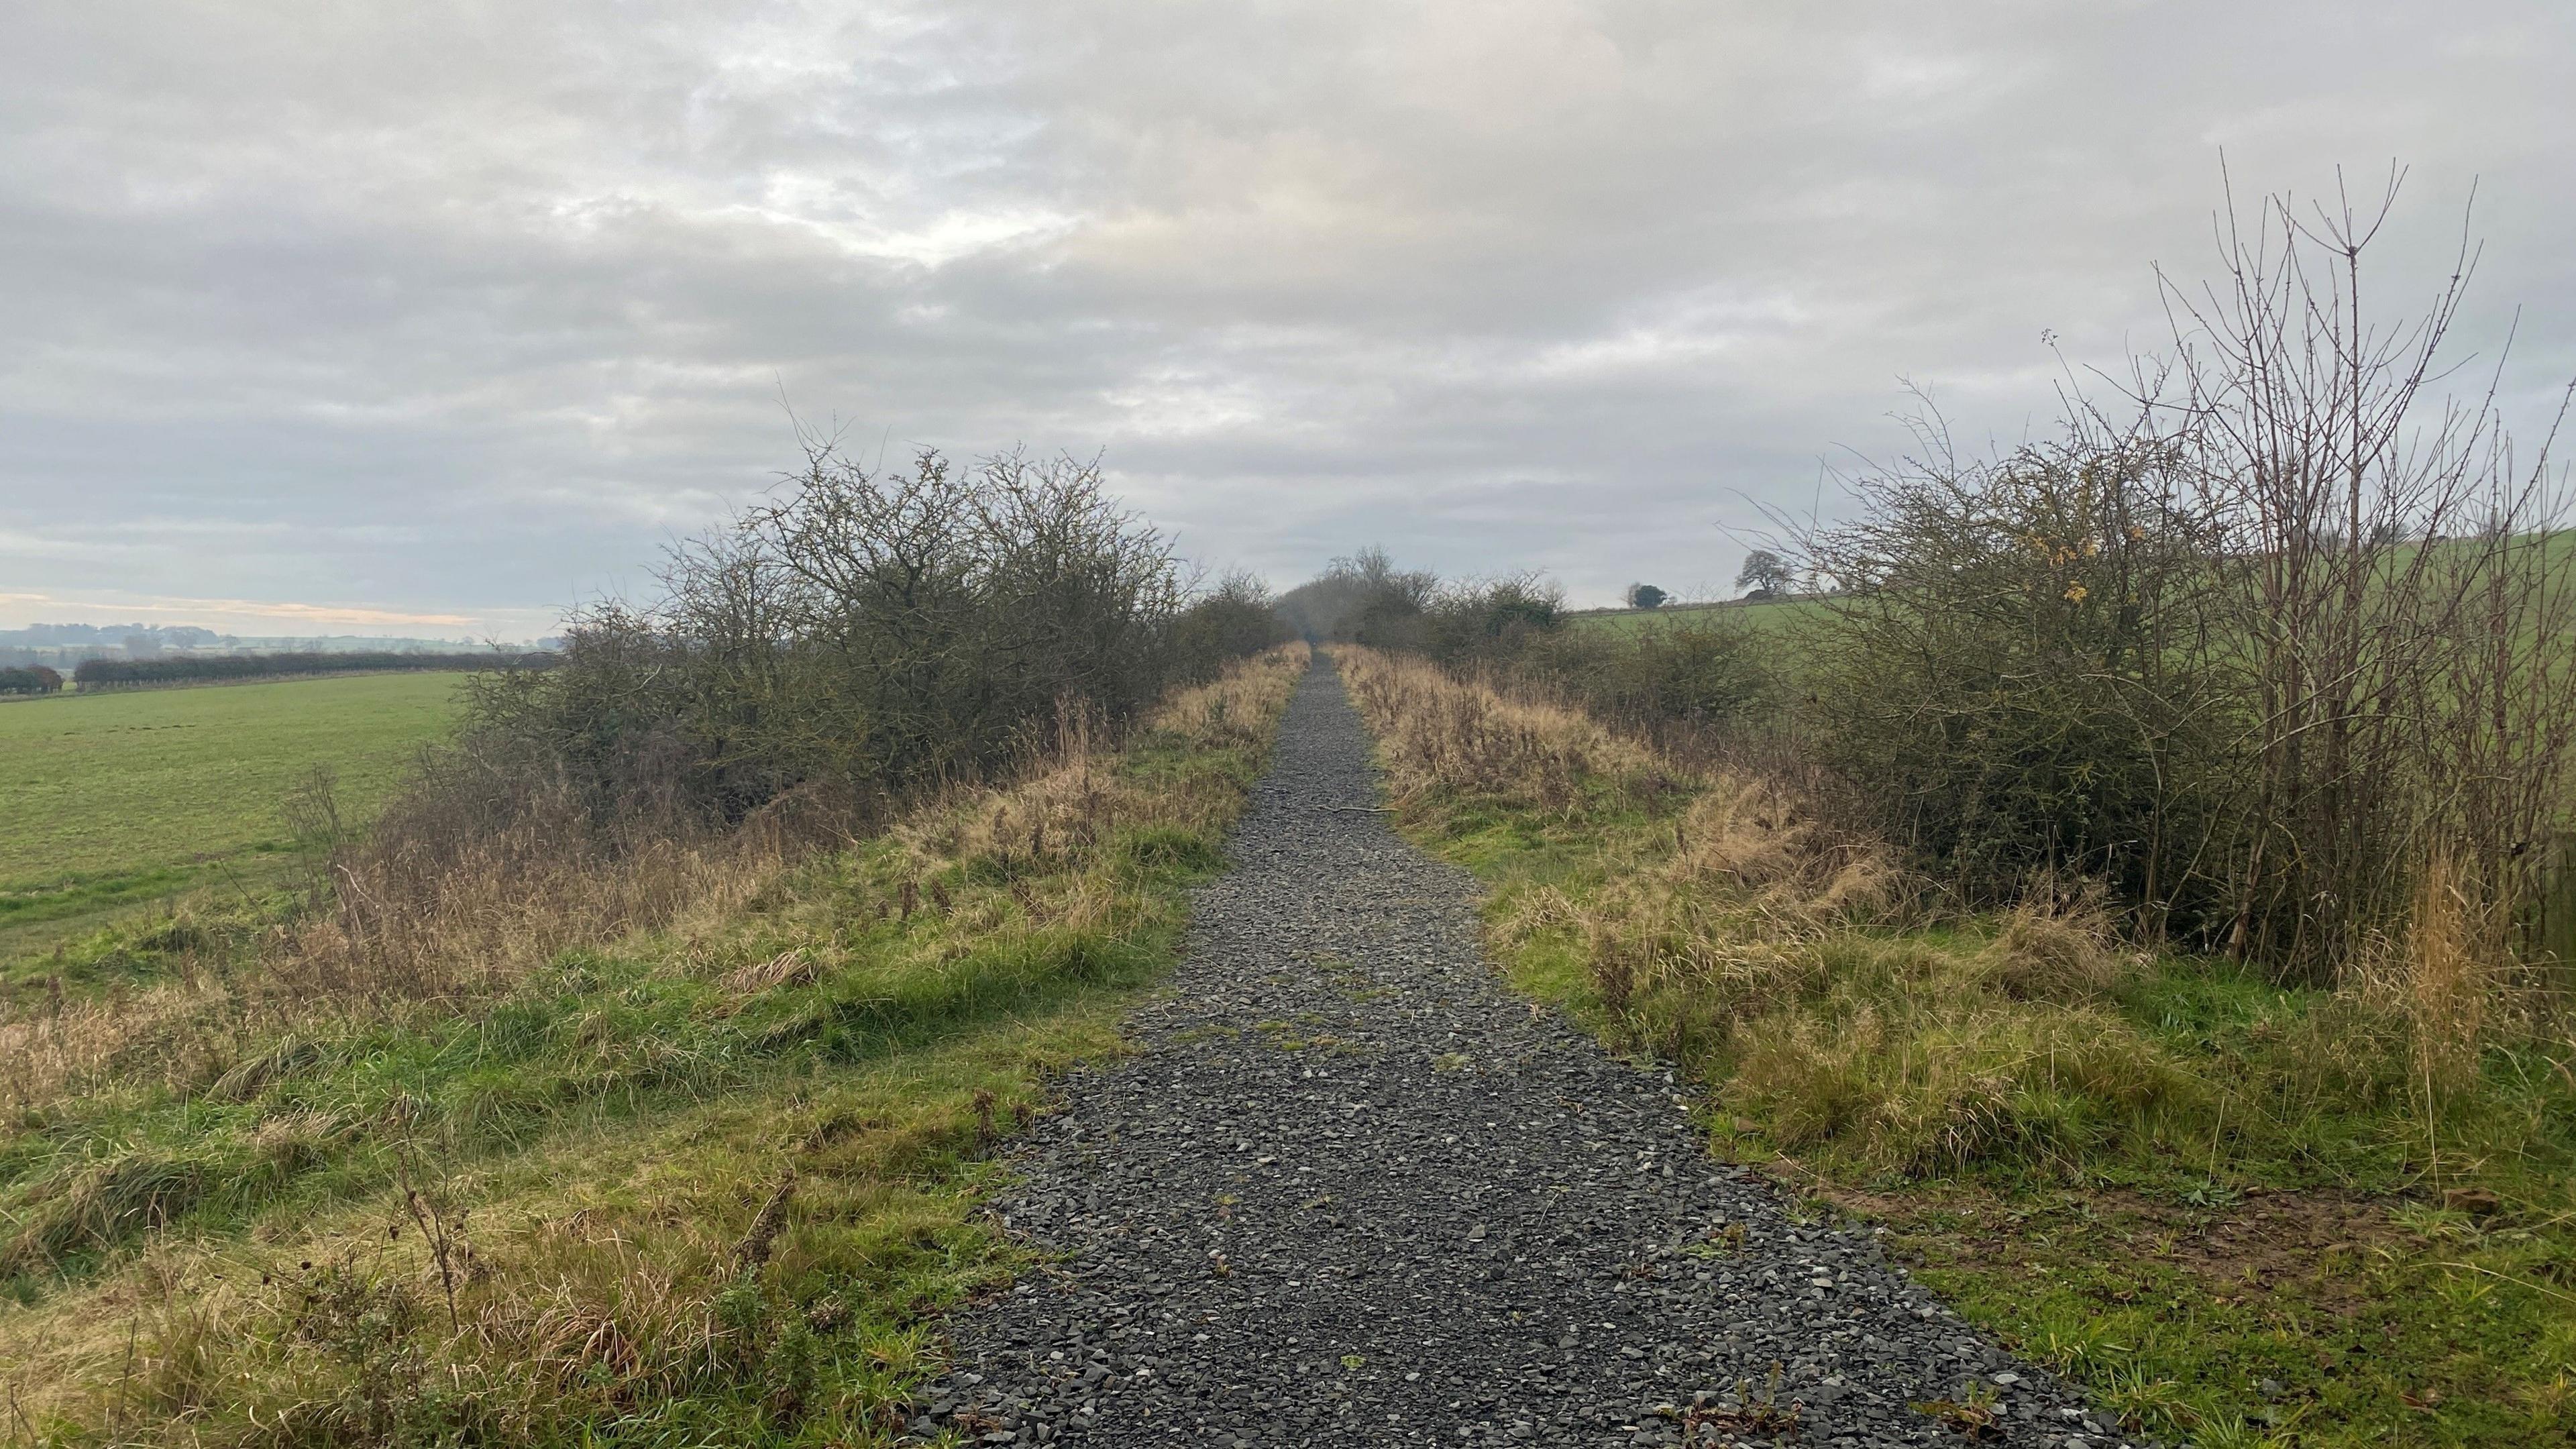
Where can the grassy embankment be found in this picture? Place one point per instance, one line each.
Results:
(703, 1178)
(119, 801)
(2242, 1214)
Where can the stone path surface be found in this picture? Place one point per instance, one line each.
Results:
(1354, 1192)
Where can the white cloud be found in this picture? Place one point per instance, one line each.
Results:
(473, 306)
(245, 616)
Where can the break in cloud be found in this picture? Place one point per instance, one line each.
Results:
(458, 311)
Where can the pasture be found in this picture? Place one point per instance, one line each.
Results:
(118, 799)
(1764, 616)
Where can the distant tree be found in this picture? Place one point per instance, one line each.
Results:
(1236, 618)
(1646, 596)
(1490, 619)
(1364, 598)
(1765, 575)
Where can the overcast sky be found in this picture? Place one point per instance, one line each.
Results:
(438, 319)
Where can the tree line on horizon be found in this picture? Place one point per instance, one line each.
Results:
(31, 679)
(103, 674)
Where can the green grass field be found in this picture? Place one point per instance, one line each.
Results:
(1762, 616)
(116, 800)
(1774, 614)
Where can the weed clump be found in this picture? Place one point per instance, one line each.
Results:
(2048, 951)
(1914, 1090)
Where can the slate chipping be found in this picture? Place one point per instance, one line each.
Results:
(1354, 1192)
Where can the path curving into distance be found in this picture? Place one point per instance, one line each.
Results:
(1353, 1191)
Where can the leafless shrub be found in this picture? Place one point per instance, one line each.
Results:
(2253, 644)
(858, 637)
(2019, 666)
(2399, 584)
(1362, 599)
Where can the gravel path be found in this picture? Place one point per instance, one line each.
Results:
(1354, 1192)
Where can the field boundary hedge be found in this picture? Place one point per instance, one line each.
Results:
(96, 674)
(29, 681)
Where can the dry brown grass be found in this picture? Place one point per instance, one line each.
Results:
(1241, 708)
(2057, 950)
(2450, 980)
(1726, 878)
(1068, 805)
(2453, 982)
(472, 921)
(1074, 796)
(1436, 733)
(419, 915)
(1761, 835)
(792, 967)
(612, 1279)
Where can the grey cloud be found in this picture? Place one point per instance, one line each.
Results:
(492, 299)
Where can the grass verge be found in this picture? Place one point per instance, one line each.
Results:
(2239, 1214)
(704, 1181)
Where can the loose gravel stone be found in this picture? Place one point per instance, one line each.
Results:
(1354, 1192)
